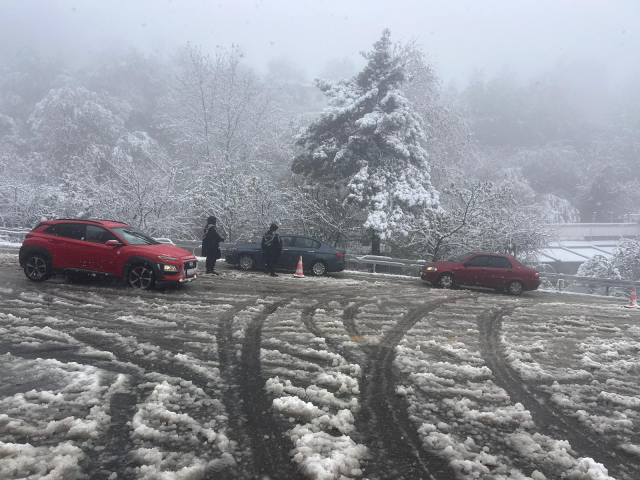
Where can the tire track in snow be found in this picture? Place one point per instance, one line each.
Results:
(116, 456)
(269, 444)
(551, 420)
(395, 445)
(231, 395)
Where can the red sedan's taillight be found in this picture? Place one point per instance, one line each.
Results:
(340, 255)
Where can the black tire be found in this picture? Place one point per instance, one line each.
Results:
(38, 268)
(318, 268)
(447, 281)
(515, 288)
(246, 262)
(141, 277)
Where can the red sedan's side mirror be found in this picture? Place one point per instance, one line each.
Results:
(113, 243)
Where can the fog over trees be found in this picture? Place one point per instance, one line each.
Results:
(383, 154)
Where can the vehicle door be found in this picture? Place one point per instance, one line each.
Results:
(473, 270)
(307, 249)
(66, 242)
(499, 272)
(100, 257)
(287, 260)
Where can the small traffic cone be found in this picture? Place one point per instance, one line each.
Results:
(299, 273)
(633, 299)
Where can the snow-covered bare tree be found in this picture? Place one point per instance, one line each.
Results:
(322, 211)
(371, 139)
(478, 217)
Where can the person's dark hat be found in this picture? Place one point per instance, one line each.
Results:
(211, 220)
(273, 227)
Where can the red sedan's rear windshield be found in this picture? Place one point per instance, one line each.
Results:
(135, 237)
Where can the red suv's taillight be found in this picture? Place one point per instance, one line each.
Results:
(28, 235)
(340, 255)
(536, 275)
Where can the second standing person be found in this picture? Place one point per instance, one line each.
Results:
(271, 249)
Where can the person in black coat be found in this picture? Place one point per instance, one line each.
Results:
(271, 249)
(211, 244)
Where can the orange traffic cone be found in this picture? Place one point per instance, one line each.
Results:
(299, 273)
(633, 300)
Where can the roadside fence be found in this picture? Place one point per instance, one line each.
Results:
(13, 234)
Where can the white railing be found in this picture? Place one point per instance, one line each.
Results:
(13, 233)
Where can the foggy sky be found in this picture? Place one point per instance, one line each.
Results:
(531, 37)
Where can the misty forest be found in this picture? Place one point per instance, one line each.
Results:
(381, 157)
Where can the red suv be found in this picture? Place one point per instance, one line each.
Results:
(103, 247)
(491, 270)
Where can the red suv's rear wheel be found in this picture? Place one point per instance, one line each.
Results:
(37, 268)
(141, 276)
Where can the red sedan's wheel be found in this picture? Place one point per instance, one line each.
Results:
(515, 288)
(446, 280)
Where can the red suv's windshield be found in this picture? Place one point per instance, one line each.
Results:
(135, 237)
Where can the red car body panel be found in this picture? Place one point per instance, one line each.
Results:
(465, 273)
(81, 254)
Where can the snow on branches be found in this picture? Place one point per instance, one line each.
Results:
(371, 138)
(478, 216)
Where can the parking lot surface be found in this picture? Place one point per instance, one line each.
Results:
(347, 376)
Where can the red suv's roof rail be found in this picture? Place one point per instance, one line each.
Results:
(100, 221)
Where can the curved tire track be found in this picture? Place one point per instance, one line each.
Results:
(390, 435)
(268, 441)
(551, 420)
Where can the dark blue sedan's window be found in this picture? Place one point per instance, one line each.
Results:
(302, 242)
(286, 241)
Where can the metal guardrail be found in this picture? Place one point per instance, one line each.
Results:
(377, 260)
(17, 233)
(562, 281)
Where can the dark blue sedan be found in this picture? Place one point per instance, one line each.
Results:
(317, 258)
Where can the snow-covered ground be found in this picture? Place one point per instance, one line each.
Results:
(351, 376)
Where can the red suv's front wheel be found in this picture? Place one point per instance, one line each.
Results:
(141, 277)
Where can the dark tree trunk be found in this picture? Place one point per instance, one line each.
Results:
(375, 243)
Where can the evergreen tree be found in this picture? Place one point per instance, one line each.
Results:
(369, 137)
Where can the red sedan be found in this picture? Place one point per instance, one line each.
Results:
(491, 270)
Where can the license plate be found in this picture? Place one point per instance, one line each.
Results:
(191, 271)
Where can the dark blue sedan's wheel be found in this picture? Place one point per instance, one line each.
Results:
(246, 261)
(318, 268)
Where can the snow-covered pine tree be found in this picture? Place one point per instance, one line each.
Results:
(369, 137)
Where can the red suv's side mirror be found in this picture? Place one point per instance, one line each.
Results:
(113, 243)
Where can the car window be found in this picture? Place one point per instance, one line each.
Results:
(75, 231)
(460, 258)
(302, 242)
(286, 241)
(479, 261)
(499, 262)
(134, 236)
(98, 234)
